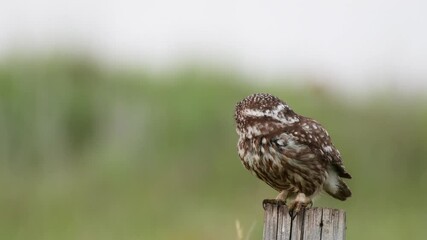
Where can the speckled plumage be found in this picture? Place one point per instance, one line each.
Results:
(291, 153)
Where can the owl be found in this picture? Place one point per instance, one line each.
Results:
(291, 153)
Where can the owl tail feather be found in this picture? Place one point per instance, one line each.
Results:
(337, 188)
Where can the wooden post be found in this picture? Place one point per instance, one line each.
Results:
(311, 224)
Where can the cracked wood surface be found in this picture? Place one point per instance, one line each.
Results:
(311, 224)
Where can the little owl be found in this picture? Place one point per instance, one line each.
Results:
(291, 153)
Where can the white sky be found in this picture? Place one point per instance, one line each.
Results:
(359, 45)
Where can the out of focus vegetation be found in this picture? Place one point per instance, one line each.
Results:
(87, 152)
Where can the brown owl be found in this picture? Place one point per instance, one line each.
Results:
(291, 153)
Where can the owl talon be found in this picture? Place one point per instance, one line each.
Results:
(283, 195)
(300, 204)
(296, 208)
(273, 201)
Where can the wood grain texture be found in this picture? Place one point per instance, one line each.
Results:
(312, 224)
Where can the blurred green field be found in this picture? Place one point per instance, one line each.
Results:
(89, 152)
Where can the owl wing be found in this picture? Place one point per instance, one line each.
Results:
(311, 134)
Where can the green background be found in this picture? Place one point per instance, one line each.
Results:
(92, 152)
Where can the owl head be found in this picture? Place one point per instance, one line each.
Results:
(262, 113)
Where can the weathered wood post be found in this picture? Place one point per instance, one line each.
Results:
(311, 224)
